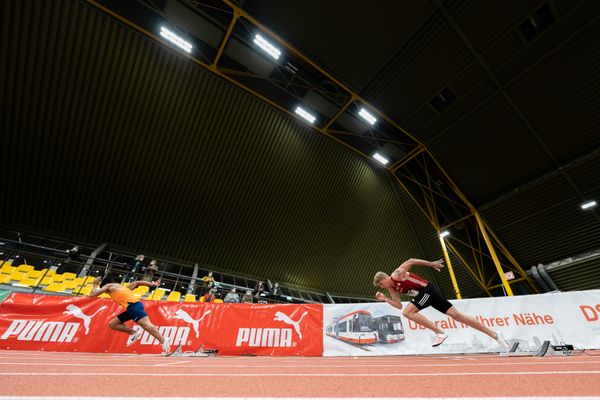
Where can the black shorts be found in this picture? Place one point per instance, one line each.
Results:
(135, 311)
(431, 296)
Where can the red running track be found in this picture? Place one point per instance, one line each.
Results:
(24, 373)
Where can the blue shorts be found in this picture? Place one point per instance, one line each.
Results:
(135, 311)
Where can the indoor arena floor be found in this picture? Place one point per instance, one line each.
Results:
(44, 375)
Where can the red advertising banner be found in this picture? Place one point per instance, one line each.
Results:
(57, 323)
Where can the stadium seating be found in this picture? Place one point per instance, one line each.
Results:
(174, 296)
(189, 298)
(55, 287)
(157, 294)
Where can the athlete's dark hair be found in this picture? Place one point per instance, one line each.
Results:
(109, 279)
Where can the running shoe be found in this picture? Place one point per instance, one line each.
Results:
(166, 346)
(503, 344)
(439, 339)
(134, 337)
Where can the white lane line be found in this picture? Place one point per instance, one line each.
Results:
(583, 372)
(295, 398)
(164, 364)
(226, 365)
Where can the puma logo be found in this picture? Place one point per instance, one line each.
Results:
(279, 316)
(180, 314)
(75, 311)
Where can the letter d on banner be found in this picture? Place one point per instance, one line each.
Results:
(589, 313)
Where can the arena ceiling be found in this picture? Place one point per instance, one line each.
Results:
(112, 134)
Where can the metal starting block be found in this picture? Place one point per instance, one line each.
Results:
(201, 352)
(541, 352)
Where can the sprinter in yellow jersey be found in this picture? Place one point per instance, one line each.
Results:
(134, 309)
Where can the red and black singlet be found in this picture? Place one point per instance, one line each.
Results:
(411, 286)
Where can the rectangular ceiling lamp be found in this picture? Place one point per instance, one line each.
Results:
(380, 158)
(589, 204)
(367, 116)
(306, 115)
(444, 234)
(176, 40)
(267, 47)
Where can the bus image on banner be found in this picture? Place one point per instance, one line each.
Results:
(360, 327)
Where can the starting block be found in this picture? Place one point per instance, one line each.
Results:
(541, 352)
(201, 352)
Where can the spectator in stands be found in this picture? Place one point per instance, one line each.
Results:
(210, 296)
(135, 266)
(259, 289)
(276, 290)
(247, 298)
(150, 270)
(208, 281)
(232, 297)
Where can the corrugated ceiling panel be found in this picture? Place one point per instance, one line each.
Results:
(583, 276)
(114, 137)
(484, 23)
(425, 66)
(373, 36)
(544, 223)
(560, 99)
(477, 142)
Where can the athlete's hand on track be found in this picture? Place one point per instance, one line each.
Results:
(380, 296)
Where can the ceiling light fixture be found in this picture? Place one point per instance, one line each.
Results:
(380, 158)
(176, 40)
(444, 234)
(267, 47)
(367, 116)
(305, 114)
(588, 204)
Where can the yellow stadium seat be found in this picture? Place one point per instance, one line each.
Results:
(85, 291)
(58, 278)
(29, 282)
(25, 268)
(201, 299)
(17, 276)
(104, 296)
(7, 269)
(35, 273)
(69, 275)
(189, 298)
(89, 279)
(78, 281)
(156, 295)
(46, 280)
(70, 284)
(143, 289)
(5, 263)
(174, 296)
(217, 301)
(4, 278)
(51, 272)
(55, 287)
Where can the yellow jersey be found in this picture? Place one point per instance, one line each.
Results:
(123, 296)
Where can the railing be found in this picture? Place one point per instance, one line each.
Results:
(49, 257)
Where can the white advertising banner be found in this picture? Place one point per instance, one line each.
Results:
(371, 329)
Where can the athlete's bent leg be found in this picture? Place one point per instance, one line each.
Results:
(470, 321)
(117, 325)
(151, 329)
(412, 312)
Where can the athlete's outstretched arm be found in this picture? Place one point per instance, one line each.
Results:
(96, 291)
(406, 265)
(135, 284)
(394, 301)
